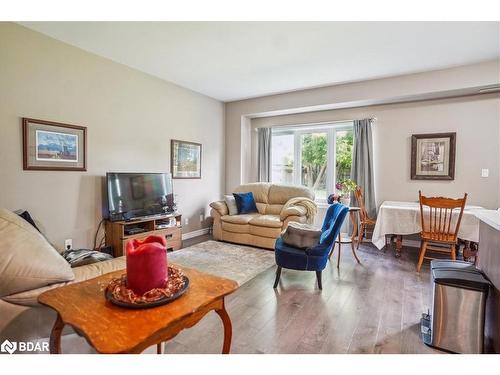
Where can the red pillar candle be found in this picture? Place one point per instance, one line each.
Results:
(147, 264)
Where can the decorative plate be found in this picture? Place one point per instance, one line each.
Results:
(176, 287)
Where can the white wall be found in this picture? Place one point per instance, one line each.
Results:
(130, 117)
(475, 119)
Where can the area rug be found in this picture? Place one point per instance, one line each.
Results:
(235, 262)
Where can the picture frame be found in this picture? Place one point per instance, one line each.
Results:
(53, 146)
(433, 156)
(185, 159)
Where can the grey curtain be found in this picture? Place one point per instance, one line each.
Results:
(362, 163)
(264, 155)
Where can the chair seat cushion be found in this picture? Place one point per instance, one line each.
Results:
(301, 235)
(272, 221)
(297, 259)
(239, 219)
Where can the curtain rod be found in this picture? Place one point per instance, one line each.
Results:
(322, 123)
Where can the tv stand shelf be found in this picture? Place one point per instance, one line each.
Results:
(118, 233)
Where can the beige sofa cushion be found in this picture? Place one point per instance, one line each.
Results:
(274, 209)
(280, 194)
(27, 260)
(236, 228)
(239, 219)
(260, 191)
(264, 231)
(271, 221)
(262, 208)
(86, 272)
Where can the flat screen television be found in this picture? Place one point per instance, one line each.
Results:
(136, 195)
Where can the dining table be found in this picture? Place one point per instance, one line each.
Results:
(399, 218)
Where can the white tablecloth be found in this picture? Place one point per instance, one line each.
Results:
(404, 218)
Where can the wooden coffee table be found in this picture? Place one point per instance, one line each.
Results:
(112, 329)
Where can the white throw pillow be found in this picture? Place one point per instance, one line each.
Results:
(231, 204)
(27, 260)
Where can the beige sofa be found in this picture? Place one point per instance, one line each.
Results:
(29, 265)
(277, 206)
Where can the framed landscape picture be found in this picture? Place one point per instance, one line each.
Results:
(185, 159)
(53, 146)
(433, 156)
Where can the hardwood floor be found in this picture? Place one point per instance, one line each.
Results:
(374, 307)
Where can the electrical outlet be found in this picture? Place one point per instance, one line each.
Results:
(485, 172)
(186, 221)
(68, 244)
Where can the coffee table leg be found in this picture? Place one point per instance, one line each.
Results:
(158, 348)
(55, 336)
(228, 329)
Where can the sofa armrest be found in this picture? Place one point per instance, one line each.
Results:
(220, 207)
(214, 214)
(82, 273)
(293, 211)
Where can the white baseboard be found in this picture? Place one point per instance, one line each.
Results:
(196, 233)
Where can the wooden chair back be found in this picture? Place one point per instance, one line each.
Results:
(358, 194)
(437, 220)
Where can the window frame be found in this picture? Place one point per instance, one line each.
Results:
(331, 129)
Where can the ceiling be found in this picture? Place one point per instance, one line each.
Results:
(235, 60)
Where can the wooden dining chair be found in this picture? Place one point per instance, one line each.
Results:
(440, 225)
(364, 219)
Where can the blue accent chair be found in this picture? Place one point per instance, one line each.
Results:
(312, 258)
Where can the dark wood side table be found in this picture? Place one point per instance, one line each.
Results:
(353, 239)
(112, 329)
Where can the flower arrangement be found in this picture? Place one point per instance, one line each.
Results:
(345, 187)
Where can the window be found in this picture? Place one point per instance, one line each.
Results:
(282, 158)
(312, 156)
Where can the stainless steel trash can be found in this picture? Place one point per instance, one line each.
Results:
(456, 320)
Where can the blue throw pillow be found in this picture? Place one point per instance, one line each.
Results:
(245, 203)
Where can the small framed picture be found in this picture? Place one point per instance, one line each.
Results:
(433, 156)
(185, 159)
(53, 146)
